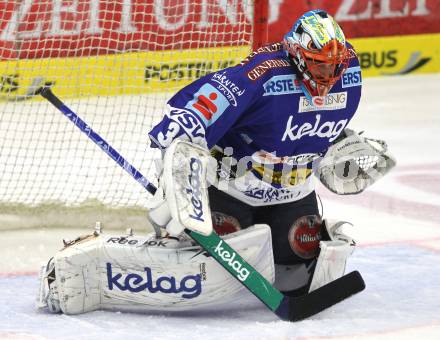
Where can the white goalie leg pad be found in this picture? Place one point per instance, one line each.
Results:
(48, 293)
(149, 273)
(331, 262)
(333, 255)
(186, 190)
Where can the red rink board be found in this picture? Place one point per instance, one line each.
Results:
(361, 18)
(31, 28)
(38, 28)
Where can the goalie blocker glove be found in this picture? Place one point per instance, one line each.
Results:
(181, 201)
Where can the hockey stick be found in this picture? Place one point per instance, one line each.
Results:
(287, 308)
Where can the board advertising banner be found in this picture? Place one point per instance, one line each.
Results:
(360, 18)
(45, 28)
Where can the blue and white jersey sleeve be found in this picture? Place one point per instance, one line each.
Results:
(205, 110)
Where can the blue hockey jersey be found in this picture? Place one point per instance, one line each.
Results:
(257, 120)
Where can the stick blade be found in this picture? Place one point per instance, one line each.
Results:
(47, 93)
(44, 91)
(307, 305)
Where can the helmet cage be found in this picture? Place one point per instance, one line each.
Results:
(325, 67)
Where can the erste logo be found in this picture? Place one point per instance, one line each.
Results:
(280, 85)
(206, 105)
(352, 77)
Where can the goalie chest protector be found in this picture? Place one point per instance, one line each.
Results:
(259, 110)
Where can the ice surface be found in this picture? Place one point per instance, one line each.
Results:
(396, 224)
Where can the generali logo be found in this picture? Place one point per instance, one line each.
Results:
(259, 70)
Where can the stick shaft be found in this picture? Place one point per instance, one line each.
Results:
(98, 140)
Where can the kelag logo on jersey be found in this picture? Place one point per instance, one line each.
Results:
(208, 103)
(352, 77)
(279, 85)
(323, 129)
(190, 285)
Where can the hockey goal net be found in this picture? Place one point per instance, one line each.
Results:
(115, 63)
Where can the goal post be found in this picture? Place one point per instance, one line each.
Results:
(115, 63)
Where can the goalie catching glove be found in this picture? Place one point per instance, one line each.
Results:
(181, 201)
(354, 163)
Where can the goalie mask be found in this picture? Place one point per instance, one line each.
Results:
(316, 45)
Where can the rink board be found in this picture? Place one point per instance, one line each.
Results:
(411, 54)
(152, 72)
(115, 74)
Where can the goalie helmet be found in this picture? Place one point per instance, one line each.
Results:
(317, 47)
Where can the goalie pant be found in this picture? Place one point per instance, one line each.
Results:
(296, 227)
(301, 242)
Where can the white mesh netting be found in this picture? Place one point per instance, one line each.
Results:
(115, 63)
